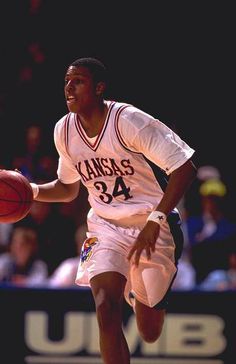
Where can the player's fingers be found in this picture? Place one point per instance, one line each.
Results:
(17, 170)
(131, 252)
(153, 247)
(148, 252)
(137, 257)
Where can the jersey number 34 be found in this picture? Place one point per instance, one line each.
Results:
(119, 189)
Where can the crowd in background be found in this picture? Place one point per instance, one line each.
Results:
(43, 248)
(51, 234)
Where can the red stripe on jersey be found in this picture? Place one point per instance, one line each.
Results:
(66, 131)
(121, 140)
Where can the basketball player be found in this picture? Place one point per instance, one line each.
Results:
(121, 154)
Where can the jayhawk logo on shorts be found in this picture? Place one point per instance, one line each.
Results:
(87, 249)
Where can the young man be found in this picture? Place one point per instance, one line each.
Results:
(134, 240)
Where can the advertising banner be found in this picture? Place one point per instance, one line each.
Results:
(45, 326)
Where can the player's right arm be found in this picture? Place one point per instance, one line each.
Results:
(56, 191)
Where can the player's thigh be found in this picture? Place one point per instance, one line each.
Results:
(108, 287)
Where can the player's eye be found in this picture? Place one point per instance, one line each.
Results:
(74, 82)
(77, 81)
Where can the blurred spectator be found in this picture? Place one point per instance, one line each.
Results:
(27, 160)
(55, 232)
(186, 275)
(211, 233)
(212, 217)
(36, 161)
(222, 279)
(205, 173)
(5, 233)
(47, 168)
(65, 274)
(192, 200)
(21, 265)
(76, 209)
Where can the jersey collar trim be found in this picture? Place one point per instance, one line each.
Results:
(84, 136)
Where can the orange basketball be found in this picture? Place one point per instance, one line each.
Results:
(16, 196)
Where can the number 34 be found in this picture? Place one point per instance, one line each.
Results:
(119, 189)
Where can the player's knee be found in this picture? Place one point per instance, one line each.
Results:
(107, 312)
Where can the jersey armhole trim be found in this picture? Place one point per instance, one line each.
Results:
(66, 132)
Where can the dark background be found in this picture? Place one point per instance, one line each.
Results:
(174, 60)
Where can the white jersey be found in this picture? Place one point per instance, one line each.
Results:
(123, 166)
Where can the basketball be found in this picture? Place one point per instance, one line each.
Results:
(16, 196)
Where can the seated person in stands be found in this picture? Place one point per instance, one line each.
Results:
(222, 279)
(211, 233)
(65, 274)
(55, 233)
(20, 265)
(186, 275)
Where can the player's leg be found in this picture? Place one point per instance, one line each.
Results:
(149, 320)
(152, 281)
(108, 290)
(149, 286)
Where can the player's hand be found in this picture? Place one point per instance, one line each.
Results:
(17, 170)
(146, 240)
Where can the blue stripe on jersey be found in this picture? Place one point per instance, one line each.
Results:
(174, 217)
(174, 222)
(159, 174)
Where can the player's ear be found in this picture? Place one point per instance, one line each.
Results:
(100, 88)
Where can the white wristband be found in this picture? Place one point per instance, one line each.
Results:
(35, 189)
(158, 217)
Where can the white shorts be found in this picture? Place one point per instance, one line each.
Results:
(106, 250)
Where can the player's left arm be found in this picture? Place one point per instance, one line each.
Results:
(178, 184)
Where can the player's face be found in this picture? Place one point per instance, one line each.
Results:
(80, 91)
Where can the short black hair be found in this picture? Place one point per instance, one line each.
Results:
(95, 66)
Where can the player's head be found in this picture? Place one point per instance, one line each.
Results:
(85, 84)
(96, 68)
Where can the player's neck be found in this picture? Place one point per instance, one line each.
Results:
(93, 122)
